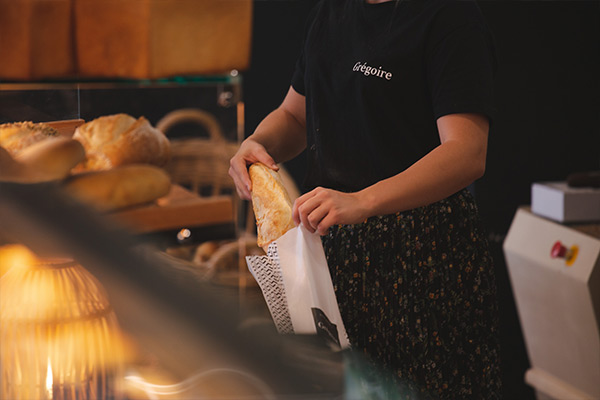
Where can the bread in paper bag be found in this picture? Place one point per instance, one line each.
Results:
(271, 203)
(296, 284)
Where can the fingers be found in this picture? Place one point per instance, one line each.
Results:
(310, 214)
(297, 204)
(239, 173)
(249, 153)
(264, 157)
(312, 210)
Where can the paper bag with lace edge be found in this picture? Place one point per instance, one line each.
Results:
(295, 281)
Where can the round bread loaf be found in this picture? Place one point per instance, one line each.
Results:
(120, 139)
(120, 187)
(271, 203)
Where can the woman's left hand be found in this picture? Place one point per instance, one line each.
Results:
(322, 208)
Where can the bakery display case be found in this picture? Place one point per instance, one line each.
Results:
(201, 116)
(190, 322)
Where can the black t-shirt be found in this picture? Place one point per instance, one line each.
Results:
(377, 76)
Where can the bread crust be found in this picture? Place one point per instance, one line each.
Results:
(120, 139)
(16, 136)
(51, 159)
(120, 187)
(48, 160)
(271, 203)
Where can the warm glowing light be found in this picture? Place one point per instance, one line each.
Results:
(49, 381)
(184, 234)
(53, 309)
(13, 255)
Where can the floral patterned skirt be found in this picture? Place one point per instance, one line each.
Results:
(417, 295)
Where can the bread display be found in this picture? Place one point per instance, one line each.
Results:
(16, 136)
(120, 139)
(271, 203)
(120, 187)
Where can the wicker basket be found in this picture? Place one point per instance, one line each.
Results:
(199, 162)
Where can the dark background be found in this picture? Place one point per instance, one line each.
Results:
(548, 96)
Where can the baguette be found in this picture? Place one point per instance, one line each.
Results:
(271, 204)
(120, 187)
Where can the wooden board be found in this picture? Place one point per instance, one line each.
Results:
(66, 127)
(179, 209)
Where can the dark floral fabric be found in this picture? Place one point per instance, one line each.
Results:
(417, 295)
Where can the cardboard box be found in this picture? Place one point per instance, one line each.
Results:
(559, 202)
(162, 38)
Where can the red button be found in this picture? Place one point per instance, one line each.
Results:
(558, 250)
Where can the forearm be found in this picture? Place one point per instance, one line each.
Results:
(282, 135)
(444, 171)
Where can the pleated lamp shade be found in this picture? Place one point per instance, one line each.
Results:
(59, 337)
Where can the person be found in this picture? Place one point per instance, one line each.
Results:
(393, 102)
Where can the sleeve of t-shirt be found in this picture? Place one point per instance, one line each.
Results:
(298, 76)
(461, 61)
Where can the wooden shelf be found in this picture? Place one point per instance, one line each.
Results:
(179, 209)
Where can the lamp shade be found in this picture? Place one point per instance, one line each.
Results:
(58, 334)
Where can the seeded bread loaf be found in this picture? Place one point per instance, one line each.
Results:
(16, 136)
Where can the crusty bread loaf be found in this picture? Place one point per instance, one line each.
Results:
(123, 186)
(51, 159)
(271, 203)
(48, 160)
(16, 136)
(120, 139)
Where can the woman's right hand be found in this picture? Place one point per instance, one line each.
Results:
(249, 153)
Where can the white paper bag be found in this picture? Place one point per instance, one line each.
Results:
(297, 287)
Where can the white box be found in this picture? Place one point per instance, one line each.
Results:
(562, 203)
